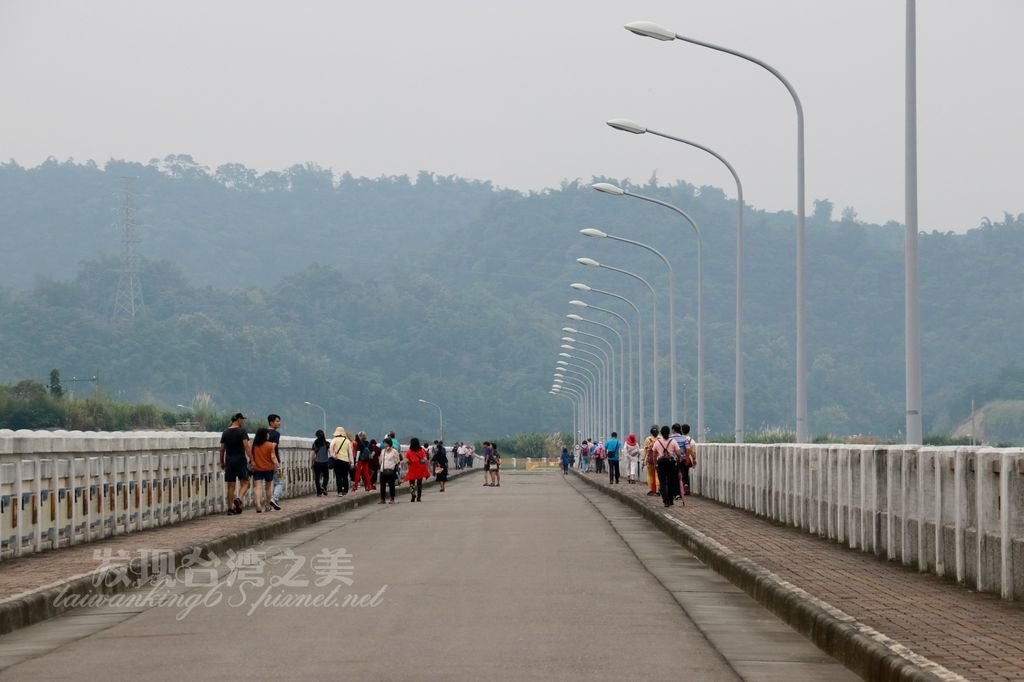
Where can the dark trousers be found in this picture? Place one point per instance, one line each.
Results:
(416, 488)
(387, 480)
(666, 475)
(374, 474)
(686, 476)
(565, 466)
(321, 476)
(613, 471)
(341, 469)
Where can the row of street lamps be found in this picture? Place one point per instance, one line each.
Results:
(590, 400)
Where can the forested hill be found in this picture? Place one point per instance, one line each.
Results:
(365, 295)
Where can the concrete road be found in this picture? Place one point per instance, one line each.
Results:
(539, 579)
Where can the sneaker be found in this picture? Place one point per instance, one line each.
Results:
(275, 505)
(238, 506)
(258, 510)
(382, 502)
(231, 512)
(341, 494)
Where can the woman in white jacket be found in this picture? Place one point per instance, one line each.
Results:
(390, 460)
(631, 452)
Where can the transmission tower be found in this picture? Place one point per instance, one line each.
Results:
(128, 301)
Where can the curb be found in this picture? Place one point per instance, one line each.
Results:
(41, 604)
(839, 638)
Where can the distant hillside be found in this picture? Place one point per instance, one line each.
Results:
(276, 288)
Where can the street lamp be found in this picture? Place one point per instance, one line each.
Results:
(598, 234)
(585, 379)
(306, 402)
(591, 263)
(629, 334)
(622, 377)
(610, 356)
(652, 30)
(440, 417)
(595, 376)
(637, 129)
(614, 190)
(604, 370)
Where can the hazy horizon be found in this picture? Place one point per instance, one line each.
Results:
(517, 93)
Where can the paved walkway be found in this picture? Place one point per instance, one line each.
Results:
(975, 636)
(539, 579)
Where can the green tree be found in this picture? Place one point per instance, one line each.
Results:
(56, 390)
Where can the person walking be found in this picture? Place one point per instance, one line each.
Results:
(374, 463)
(235, 456)
(274, 436)
(683, 441)
(390, 461)
(651, 461)
(632, 458)
(611, 449)
(264, 466)
(689, 457)
(320, 462)
(666, 451)
(495, 466)
(341, 459)
(440, 464)
(416, 459)
(487, 464)
(364, 453)
(565, 460)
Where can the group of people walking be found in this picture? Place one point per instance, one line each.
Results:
(352, 459)
(667, 455)
(378, 465)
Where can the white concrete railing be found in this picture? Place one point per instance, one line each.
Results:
(61, 488)
(957, 512)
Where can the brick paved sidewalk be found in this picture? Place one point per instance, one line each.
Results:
(33, 571)
(977, 636)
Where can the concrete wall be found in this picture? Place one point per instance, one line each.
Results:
(59, 488)
(957, 512)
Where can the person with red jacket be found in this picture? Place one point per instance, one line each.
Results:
(416, 460)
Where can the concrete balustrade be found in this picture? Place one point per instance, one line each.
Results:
(957, 512)
(59, 488)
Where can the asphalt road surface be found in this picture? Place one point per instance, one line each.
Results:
(540, 579)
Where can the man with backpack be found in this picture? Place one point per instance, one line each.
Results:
(611, 449)
(687, 450)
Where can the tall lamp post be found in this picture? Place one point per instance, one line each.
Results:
(637, 129)
(440, 418)
(591, 263)
(599, 411)
(603, 372)
(629, 334)
(598, 234)
(613, 330)
(586, 386)
(614, 190)
(651, 30)
(609, 357)
(912, 312)
(306, 402)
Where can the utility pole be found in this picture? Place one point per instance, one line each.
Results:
(128, 300)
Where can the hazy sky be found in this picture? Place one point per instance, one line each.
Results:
(517, 92)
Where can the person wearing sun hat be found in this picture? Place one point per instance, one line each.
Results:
(341, 459)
